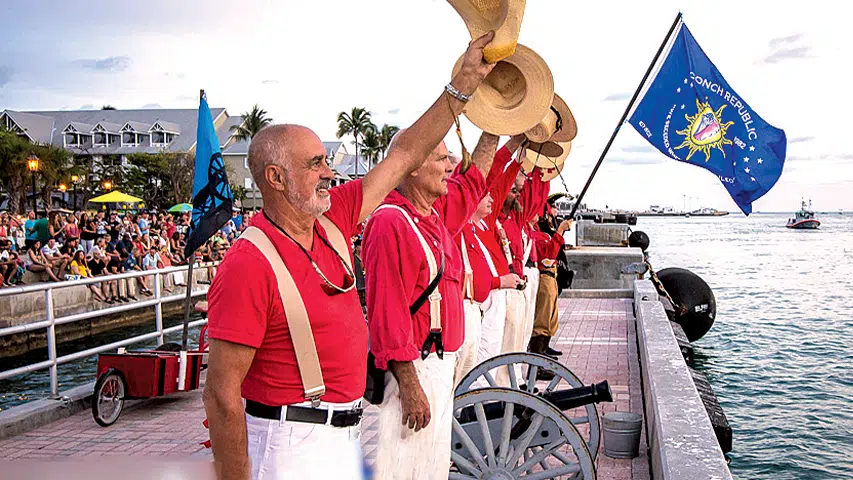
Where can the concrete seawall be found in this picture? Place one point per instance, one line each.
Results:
(682, 443)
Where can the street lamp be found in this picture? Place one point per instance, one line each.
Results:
(62, 187)
(74, 180)
(33, 166)
(108, 185)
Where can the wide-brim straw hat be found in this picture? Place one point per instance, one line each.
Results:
(501, 16)
(550, 165)
(514, 97)
(558, 125)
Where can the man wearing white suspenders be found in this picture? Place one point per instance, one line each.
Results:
(287, 333)
(408, 242)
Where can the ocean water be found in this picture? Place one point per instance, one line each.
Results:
(780, 354)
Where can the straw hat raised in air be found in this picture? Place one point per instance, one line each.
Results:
(514, 97)
(502, 16)
(558, 124)
(549, 157)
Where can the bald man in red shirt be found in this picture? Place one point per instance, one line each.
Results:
(415, 416)
(284, 431)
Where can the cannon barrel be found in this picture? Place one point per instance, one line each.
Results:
(562, 399)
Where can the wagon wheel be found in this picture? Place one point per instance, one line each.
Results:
(108, 400)
(563, 379)
(500, 447)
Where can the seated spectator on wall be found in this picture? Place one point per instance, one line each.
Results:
(130, 264)
(80, 267)
(36, 263)
(53, 257)
(8, 263)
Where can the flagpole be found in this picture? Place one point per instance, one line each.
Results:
(625, 115)
(182, 364)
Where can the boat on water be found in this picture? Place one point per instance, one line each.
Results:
(804, 219)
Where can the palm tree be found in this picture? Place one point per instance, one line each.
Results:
(253, 122)
(108, 107)
(355, 123)
(371, 145)
(385, 135)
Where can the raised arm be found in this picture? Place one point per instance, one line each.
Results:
(484, 153)
(413, 145)
(534, 194)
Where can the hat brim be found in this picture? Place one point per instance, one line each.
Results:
(541, 132)
(494, 113)
(550, 166)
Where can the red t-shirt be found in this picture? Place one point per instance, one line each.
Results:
(397, 270)
(244, 307)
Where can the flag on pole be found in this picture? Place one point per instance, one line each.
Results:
(212, 197)
(691, 114)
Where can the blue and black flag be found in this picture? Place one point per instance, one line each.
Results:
(212, 197)
(691, 114)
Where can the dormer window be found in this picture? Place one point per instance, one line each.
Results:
(128, 136)
(133, 134)
(72, 137)
(163, 133)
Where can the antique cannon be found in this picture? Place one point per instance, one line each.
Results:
(528, 430)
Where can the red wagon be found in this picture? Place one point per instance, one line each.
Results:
(144, 374)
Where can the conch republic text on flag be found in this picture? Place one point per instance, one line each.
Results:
(691, 114)
(212, 197)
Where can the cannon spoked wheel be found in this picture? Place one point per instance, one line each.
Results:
(529, 439)
(587, 423)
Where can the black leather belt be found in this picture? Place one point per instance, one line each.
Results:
(548, 273)
(530, 264)
(340, 418)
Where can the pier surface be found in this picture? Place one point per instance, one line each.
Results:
(597, 337)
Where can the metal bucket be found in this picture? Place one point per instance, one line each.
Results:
(622, 434)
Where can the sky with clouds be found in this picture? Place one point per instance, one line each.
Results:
(306, 61)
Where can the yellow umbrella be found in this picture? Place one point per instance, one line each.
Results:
(116, 197)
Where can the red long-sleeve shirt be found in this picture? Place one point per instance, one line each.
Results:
(547, 247)
(483, 279)
(397, 270)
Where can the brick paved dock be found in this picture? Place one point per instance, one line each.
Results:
(597, 338)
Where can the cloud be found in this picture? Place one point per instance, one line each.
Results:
(616, 97)
(88, 106)
(394, 111)
(800, 139)
(108, 64)
(785, 48)
(186, 98)
(152, 105)
(787, 53)
(179, 76)
(5, 74)
(270, 82)
(789, 39)
(639, 149)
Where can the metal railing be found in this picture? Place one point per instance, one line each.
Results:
(51, 321)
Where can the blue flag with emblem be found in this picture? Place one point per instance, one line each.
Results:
(691, 114)
(212, 197)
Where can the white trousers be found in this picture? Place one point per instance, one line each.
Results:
(402, 453)
(492, 328)
(530, 298)
(280, 450)
(514, 340)
(466, 356)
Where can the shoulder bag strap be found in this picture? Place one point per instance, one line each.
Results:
(434, 296)
(336, 238)
(468, 282)
(297, 317)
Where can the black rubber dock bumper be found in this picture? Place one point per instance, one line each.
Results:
(683, 343)
(714, 410)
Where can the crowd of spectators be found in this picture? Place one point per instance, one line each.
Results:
(67, 246)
